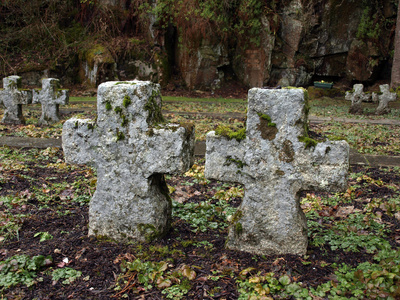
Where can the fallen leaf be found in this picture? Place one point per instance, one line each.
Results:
(344, 211)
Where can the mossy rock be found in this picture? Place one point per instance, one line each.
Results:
(230, 134)
(315, 93)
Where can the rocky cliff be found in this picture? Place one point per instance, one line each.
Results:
(260, 43)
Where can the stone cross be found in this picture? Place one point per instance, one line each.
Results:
(275, 162)
(384, 97)
(50, 96)
(12, 97)
(357, 96)
(132, 149)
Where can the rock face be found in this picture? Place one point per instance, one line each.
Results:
(13, 97)
(297, 41)
(275, 162)
(132, 150)
(50, 97)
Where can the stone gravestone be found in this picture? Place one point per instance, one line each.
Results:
(132, 150)
(13, 97)
(50, 97)
(275, 161)
(384, 97)
(357, 96)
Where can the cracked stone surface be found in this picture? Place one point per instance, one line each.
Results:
(131, 151)
(50, 97)
(274, 165)
(13, 97)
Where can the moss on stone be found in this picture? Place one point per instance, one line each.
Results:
(309, 142)
(90, 126)
(118, 110)
(189, 126)
(98, 50)
(154, 109)
(148, 231)
(120, 136)
(229, 160)
(127, 101)
(267, 127)
(124, 121)
(268, 119)
(125, 82)
(237, 216)
(238, 228)
(108, 106)
(227, 132)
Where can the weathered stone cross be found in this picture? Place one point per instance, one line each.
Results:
(50, 96)
(384, 97)
(357, 96)
(132, 150)
(12, 97)
(275, 162)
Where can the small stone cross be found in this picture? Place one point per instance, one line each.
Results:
(132, 150)
(357, 96)
(384, 97)
(50, 97)
(275, 162)
(12, 97)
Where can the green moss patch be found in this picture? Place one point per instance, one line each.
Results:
(267, 127)
(227, 132)
(154, 109)
(127, 101)
(309, 142)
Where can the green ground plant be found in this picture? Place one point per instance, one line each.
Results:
(22, 269)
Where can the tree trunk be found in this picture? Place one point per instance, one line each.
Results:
(395, 80)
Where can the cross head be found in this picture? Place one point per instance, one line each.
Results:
(132, 149)
(275, 162)
(50, 97)
(13, 97)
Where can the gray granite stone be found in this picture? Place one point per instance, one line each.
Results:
(50, 97)
(275, 162)
(384, 97)
(13, 97)
(131, 150)
(357, 96)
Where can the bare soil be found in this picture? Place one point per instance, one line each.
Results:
(98, 260)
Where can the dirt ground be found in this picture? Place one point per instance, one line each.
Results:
(99, 260)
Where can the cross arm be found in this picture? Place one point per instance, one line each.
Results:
(79, 138)
(327, 167)
(224, 158)
(62, 97)
(170, 149)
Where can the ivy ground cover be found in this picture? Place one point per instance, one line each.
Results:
(45, 252)
(354, 237)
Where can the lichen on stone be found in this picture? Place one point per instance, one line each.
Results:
(287, 152)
